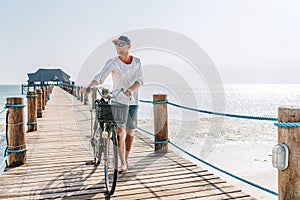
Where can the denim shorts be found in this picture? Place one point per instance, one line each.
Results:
(131, 118)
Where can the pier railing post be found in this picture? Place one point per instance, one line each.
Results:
(16, 130)
(94, 97)
(160, 112)
(289, 179)
(48, 93)
(78, 92)
(86, 99)
(43, 98)
(22, 88)
(81, 94)
(45, 95)
(75, 91)
(31, 111)
(39, 111)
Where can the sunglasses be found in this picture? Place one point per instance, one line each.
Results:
(120, 44)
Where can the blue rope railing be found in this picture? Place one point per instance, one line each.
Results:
(212, 112)
(3, 165)
(161, 142)
(7, 152)
(31, 95)
(279, 124)
(287, 124)
(225, 172)
(213, 166)
(2, 111)
(225, 114)
(31, 123)
(149, 133)
(15, 105)
(154, 102)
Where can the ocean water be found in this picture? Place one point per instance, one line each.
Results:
(244, 99)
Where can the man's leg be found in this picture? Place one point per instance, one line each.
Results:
(128, 144)
(130, 126)
(121, 147)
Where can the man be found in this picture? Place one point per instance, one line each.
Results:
(126, 73)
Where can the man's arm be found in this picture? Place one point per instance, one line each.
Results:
(100, 77)
(86, 90)
(139, 80)
(135, 86)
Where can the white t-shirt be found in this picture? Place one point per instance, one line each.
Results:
(124, 76)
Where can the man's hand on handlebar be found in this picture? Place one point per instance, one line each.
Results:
(128, 92)
(86, 90)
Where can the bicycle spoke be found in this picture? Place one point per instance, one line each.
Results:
(111, 163)
(108, 116)
(96, 143)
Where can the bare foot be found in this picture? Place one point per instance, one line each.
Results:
(122, 169)
(129, 165)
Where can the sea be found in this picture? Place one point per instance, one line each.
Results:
(244, 99)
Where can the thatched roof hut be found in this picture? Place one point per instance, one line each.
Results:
(48, 75)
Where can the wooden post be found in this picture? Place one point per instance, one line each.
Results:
(31, 111)
(75, 91)
(39, 103)
(81, 95)
(48, 92)
(86, 99)
(43, 98)
(16, 130)
(289, 179)
(160, 123)
(94, 97)
(78, 92)
(46, 95)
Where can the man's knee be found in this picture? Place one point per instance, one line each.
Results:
(129, 132)
(121, 132)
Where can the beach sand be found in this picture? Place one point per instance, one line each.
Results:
(241, 147)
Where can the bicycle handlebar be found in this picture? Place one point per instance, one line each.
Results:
(108, 94)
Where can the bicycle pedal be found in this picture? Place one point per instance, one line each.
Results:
(90, 162)
(104, 134)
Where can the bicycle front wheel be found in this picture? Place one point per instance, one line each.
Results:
(111, 162)
(97, 142)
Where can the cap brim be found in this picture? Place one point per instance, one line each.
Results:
(116, 40)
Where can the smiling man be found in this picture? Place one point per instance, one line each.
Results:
(126, 73)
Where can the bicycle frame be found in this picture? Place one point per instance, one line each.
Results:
(104, 140)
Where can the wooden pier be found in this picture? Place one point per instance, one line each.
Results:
(56, 168)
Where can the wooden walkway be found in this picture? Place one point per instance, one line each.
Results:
(56, 168)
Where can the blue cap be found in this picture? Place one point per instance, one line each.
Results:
(122, 38)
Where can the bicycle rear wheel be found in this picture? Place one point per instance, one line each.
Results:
(111, 162)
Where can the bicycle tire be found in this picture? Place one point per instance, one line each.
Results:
(111, 162)
(97, 142)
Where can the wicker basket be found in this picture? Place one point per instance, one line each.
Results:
(112, 113)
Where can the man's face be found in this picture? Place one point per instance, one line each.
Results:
(122, 48)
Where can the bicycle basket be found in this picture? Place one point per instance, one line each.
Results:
(112, 113)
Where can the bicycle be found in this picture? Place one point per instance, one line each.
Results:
(104, 137)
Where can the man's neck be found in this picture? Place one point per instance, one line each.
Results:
(126, 58)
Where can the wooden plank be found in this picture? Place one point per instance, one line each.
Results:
(56, 167)
(71, 185)
(88, 169)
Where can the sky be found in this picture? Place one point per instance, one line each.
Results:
(249, 41)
